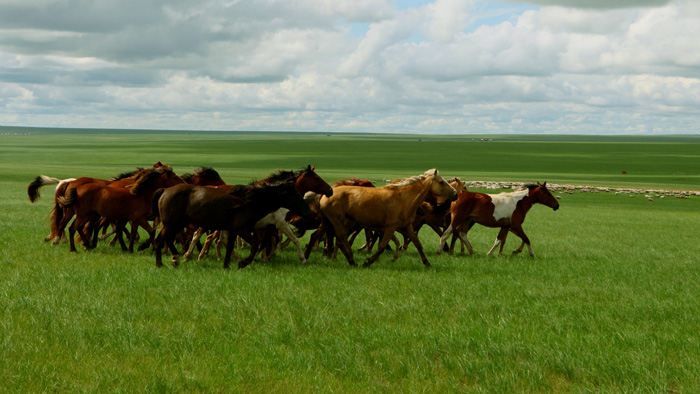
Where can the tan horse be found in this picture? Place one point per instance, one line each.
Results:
(386, 209)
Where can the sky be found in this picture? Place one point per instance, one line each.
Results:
(381, 66)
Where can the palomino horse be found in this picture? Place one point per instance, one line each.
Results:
(235, 210)
(386, 209)
(305, 180)
(504, 210)
(116, 203)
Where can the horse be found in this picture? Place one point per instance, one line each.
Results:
(116, 203)
(387, 209)
(315, 220)
(235, 210)
(60, 216)
(504, 210)
(305, 180)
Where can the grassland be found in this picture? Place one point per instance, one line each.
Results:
(609, 305)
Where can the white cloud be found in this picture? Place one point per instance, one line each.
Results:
(567, 66)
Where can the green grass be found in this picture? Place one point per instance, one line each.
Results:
(609, 304)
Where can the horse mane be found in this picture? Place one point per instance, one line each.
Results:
(413, 179)
(186, 177)
(145, 178)
(531, 186)
(282, 175)
(127, 174)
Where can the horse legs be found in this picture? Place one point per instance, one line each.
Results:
(517, 230)
(68, 214)
(254, 247)
(71, 234)
(166, 237)
(462, 235)
(286, 230)
(313, 241)
(340, 234)
(151, 233)
(386, 237)
(500, 240)
(222, 237)
(397, 244)
(444, 237)
(193, 243)
(419, 246)
(121, 227)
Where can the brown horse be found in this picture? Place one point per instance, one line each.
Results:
(504, 210)
(386, 209)
(235, 210)
(116, 203)
(60, 217)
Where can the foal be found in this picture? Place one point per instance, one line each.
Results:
(504, 210)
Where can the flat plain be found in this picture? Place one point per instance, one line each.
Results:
(610, 303)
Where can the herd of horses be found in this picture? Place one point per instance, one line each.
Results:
(172, 209)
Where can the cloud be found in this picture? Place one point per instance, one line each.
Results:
(599, 4)
(443, 66)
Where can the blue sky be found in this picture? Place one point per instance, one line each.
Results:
(390, 66)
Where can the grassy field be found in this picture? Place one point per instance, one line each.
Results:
(609, 305)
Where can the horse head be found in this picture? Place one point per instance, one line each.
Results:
(309, 181)
(439, 186)
(458, 184)
(155, 178)
(544, 197)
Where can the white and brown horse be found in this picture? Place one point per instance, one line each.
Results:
(504, 210)
(385, 209)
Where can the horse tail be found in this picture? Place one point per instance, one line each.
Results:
(68, 200)
(154, 202)
(36, 184)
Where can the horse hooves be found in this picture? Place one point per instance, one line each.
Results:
(366, 265)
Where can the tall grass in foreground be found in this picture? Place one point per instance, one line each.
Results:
(609, 305)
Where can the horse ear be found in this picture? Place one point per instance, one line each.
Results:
(313, 167)
(544, 184)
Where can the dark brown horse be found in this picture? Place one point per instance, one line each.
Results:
(504, 210)
(116, 203)
(305, 180)
(235, 210)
